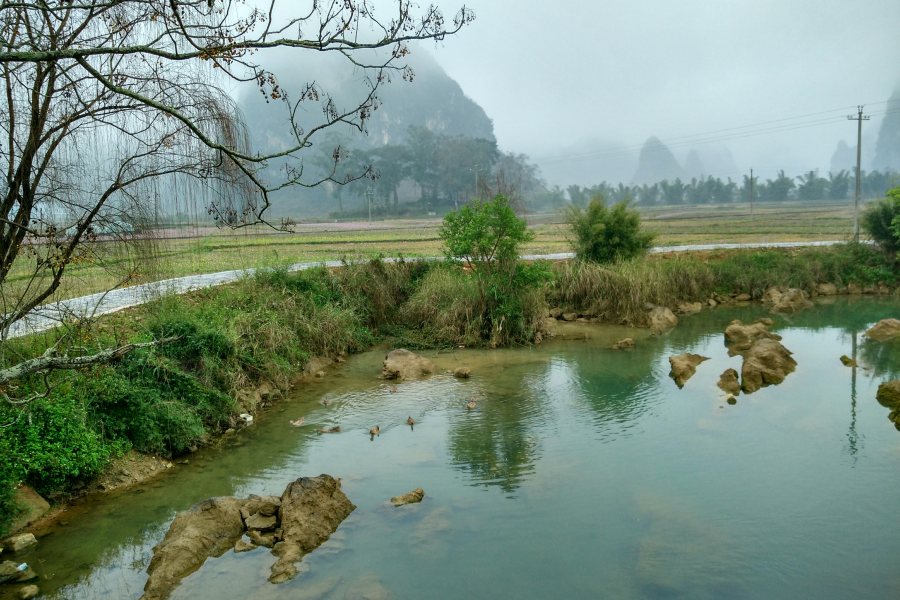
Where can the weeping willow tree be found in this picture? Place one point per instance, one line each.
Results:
(110, 105)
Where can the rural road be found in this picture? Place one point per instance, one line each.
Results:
(49, 315)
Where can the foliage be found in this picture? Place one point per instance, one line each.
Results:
(881, 220)
(604, 234)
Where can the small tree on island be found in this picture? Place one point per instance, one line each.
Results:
(604, 234)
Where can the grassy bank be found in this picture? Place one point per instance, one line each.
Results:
(265, 328)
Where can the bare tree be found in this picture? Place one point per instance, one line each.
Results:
(108, 104)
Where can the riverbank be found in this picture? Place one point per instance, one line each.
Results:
(240, 346)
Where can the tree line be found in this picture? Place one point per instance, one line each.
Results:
(712, 190)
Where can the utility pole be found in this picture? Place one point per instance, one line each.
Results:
(751, 194)
(859, 118)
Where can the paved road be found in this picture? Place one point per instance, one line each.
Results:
(50, 315)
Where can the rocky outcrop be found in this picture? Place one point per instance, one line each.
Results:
(311, 510)
(766, 362)
(729, 382)
(885, 329)
(684, 366)
(662, 318)
(403, 364)
(622, 344)
(411, 498)
(792, 301)
(296, 523)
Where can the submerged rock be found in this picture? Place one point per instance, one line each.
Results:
(403, 364)
(884, 330)
(411, 498)
(622, 344)
(662, 318)
(766, 362)
(308, 512)
(28, 592)
(9, 571)
(684, 366)
(728, 382)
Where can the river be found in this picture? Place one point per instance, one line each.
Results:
(583, 472)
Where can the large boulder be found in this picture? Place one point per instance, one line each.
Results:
(623, 344)
(662, 318)
(884, 329)
(766, 362)
(403, 364)
(792, 301)
(689, 308)
(826, 289)
(728, 382)
(311, 510)
(207, 529)
(684, 366)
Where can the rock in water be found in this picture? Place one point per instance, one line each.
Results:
(684, 366)
(848, 362)
(208, 529)
(33, 504)
(766, 362)
(403, 364)
(9, 571)
(311, 510)
(411, 498)
(260, 522)
(728, 382)
(889, 396)
(622, 344)
(885, 329)
(20, 542)
(462, 373)
(792, 301)
(689, 308)
(662, 318)
(242, 546)
(826, 289)
(28, 592)
(738, 333)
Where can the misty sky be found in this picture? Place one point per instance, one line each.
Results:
(576, 76)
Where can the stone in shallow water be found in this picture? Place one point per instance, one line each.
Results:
(684, 366)
(29, 591)
(244, 546)
(20, 542)
(414, 496)
(261, 523)
(885, 329)
(766, 362)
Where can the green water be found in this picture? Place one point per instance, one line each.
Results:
(582, 473)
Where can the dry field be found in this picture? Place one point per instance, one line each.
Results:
(189, 251)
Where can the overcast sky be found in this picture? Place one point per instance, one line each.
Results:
(571, 77)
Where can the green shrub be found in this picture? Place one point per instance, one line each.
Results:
(603, 234)
(881, 220)
(53, 442)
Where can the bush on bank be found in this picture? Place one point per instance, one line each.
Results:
(264, 328)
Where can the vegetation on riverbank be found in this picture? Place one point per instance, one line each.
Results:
(266, 327)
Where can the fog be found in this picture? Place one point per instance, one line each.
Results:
(580, 85)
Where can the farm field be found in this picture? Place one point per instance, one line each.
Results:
(178, 252)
